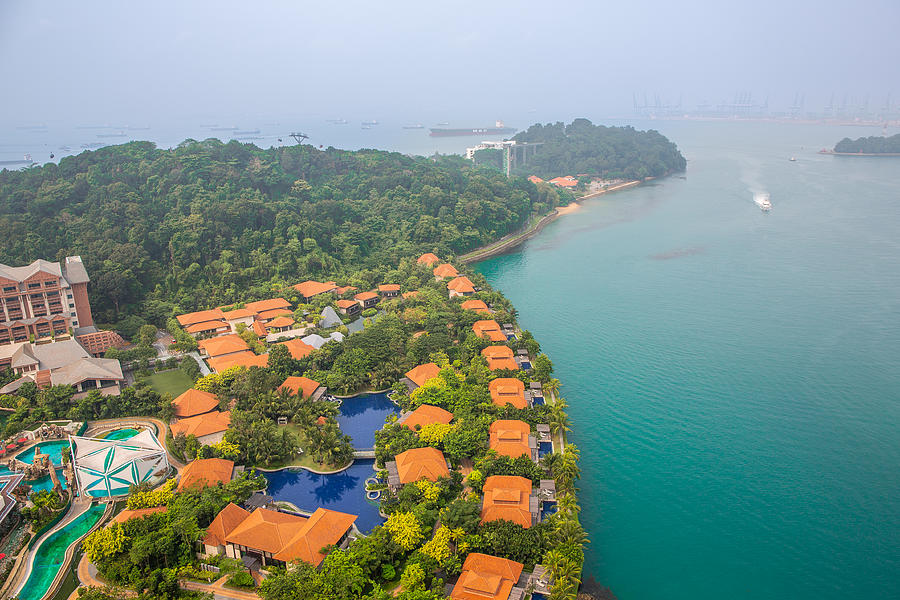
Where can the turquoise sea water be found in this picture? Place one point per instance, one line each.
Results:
(733, 376)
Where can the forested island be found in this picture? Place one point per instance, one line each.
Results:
(598, 151)
(869, 145)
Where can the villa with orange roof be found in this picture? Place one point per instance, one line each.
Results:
(194, 402)
(428, 259)
(425, 415)
(389, 290)
(240, 359)
(535, 179)
(218, 321)
(460, 286)
(419, 463)
(489, 329)
(279, 324)
(509, 498)
(444, 271)
(416, 378)
(476, 305)
(341, 290)
(265, 537)
(222, 346)
(204, 323)
(509, 390)
(512, 438)
(304, 386)
(205, 472)
(239, 316)
(208, 428)
(262, 306)
(486, 577)
(366, 299)
(567, 181)
(349, 307)
(500, 357)
(298, 348)
(310, 288)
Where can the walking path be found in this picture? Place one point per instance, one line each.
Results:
(218, 590)
(204, 370)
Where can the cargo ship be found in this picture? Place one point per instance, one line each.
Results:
(498, 129)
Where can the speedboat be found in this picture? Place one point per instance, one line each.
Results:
(763, 202)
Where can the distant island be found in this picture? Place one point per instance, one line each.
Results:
(873, 145)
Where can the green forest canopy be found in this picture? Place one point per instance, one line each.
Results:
(870, 145)
(608, 152)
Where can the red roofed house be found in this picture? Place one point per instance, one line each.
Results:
(279, 324)
(204, 323)
(303, 385)
(349, 307)
(223, 524)
(428, 259)
(222, 346)
(476, 305)
(535, 179)
(425, 415)
(512, 438)
(298, 348)
(240, 316)
(486, 577)
(489, 329)
(500, 357)
(417, 377)
(413, 465)
(340, 291)
(99, 342)
(310, 288)
(443, 271)
(261, 306)
(366, 299)
(460, 286)
(389, 290)
(508, 390)
(194, 402)
(509, 498)
(267, 315)
(205, 472)
(240, 359)
(208, 428)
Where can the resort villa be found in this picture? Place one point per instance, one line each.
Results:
(500, 357)
(349, 307)
(309, 289)
(489, 329)
(304, 387)
(417, 377)
(460, 286)
(444, 271)
(193, 402)
(509, 390)
(477, 305)
(512, 438)
(366, 299)
(389, 290)
(218, 321)
(205, 472)
(298, 348)
(509, 498)
(428, 259)
(208, 428)
(419, 463)
(425, 415)
(486, 577)
(266, 537)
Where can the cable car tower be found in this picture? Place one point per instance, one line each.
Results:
(300, 137)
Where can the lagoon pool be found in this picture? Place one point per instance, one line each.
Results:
(121, 434)
(344, 491)
(361, 416)
(54, 449)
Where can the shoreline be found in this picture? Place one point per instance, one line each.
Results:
(510, 241)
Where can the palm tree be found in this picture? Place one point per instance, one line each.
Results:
(570, 531)
(559, 420)
(567, 504)
(552, 462)
(552, 386)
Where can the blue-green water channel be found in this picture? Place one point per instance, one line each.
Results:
(50, 553)
(733, 376)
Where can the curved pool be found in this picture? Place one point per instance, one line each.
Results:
(53, 449)
(344, 491)
(49, 555)
(120, 434)
(361, 416)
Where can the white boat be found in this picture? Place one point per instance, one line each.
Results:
(762, 201)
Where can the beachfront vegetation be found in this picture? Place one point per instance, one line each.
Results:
(598, 151)
(870, 145)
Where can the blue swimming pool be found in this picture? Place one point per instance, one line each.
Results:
(547, 508)
(45, 483)
(120, 434)
(344, 491)
(525, 365)
(53, 449)
(537, 401)
(361, 416)
(544, 448)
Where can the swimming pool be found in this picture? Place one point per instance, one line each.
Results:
(120, 434)
(344, 491)
(544, 448)
(53, 449)
(361, 416)
(49, 556)
(548, 507)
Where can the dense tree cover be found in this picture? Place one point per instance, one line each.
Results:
(203, 223)
(608, 152)
(870, 145)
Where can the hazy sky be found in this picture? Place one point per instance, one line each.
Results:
(86, 61)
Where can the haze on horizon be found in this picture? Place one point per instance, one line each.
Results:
(79, 63)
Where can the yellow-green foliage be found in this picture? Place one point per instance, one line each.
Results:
(430, 490)
(433, 433)
(439, 548)
(226, 449)
(405, 528)
(104, 543)
(214, 381)
(157, 497)
(413, 577)
(207, 383)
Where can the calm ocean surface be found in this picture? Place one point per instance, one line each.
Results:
(733, 376)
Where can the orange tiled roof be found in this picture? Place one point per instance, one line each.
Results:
(411, 294)
(206, 326)
(268, 315)
(344, 289)
(280, 322)
(499, 357)
(259, 329)
(212, 422)
(200, 316)
(363, 296)
(323, 528)
(508, 390)
(345, 304)
(423, 373)
(445, 270)
(126, 515)
(298, 348)
(506, 498)
(486, 577)
(476, 305)
(389, 287)
(461, 284)
(206, 472)
(239, 359)
(228, 518)
(421, 463)
(266, 530)
(300, 384)
(240, 313)
(194, 402)
(270, 304)
(312, 288)
(510, 438)
(535, 179)
(489, 329)
(567, 181)
(427, 415)
(101, 341)
(224, 344)
(428, 259)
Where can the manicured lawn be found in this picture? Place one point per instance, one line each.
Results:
(173, 382)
